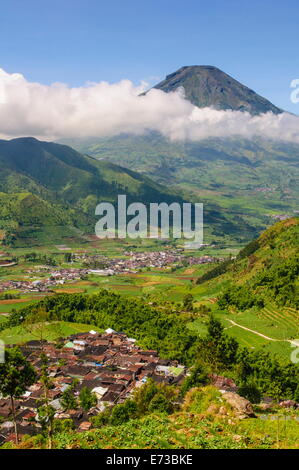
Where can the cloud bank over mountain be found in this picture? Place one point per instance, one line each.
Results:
(103, 109)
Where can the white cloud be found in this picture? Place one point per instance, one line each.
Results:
(103, 109)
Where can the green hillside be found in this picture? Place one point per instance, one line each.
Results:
(63, 188)
(46, 185)
(266, 270)
(28, 209)
(257, 293)
(59, 173)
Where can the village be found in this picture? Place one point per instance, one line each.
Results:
(97, 264)
(57, 276)
(111, 365)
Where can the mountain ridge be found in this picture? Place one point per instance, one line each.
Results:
(63, 185)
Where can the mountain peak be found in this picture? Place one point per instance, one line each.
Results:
(208, 86)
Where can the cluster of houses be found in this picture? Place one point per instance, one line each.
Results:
(130, 264)
(111, 365)
(56, 277)
(152, 259)
(280, 217)
(132, 261)
(204, 259)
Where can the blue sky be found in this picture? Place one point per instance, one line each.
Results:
(75, 41)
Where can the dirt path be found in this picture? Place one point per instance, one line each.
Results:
(295, 342)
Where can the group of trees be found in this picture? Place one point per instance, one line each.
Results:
(16, 375)
(151, 397)
(240, 297)
(71, 400)
(8, 296)
(68, 257)
(278, 281)
(275, 254)
(167, 332)
(219, 269)
(163, 330)
(256, 372)
(260, 370)
(40, 258)
(8, 239)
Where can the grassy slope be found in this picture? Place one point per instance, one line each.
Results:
(49, 332)
(186, 431)
(195, 426)
(280, 323)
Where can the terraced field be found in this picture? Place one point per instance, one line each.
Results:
(271, 328)
(286, 321)
(7, 308)
(279, 324)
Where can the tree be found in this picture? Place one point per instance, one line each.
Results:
(251, 392)
(123, 412)
(144, 395)
(204, 310)
(16, 375)
(215, 329)
(155, 397)
(68, 399)
(36, 322)
(102, 418)
(46, 415)
(296, 394)
(87, 399)
(188, 302)
(161, 404)
(46, 412)
(63, 425)
(217, 349)
(119, 415)
(67, 257)
(197, 378)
